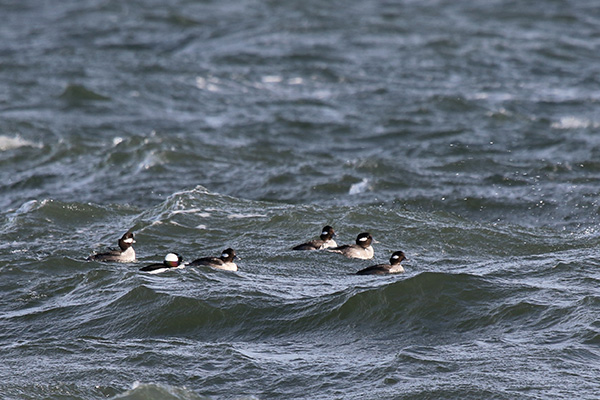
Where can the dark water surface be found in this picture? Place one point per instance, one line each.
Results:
(466, 134)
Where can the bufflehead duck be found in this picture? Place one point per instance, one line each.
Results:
(125, 253)
(324, 242)
(172, 261)
(225, 262)
(362, 249)
(393, 267)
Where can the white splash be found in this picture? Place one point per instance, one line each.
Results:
(151, 160)
(359, 187)
(9, 143)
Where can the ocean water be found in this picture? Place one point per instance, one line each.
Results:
(466, 134)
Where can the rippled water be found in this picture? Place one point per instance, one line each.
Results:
(464, 134)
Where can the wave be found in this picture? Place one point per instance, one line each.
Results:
(150, 391)
(78, 93)
(49, 228)
(194, 304)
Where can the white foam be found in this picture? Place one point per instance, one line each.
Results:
(359, 187)
(272, 79)
(240, 216)
(209, 84)
(199, 212)
(575, 123)
(28, 206)
(200, 82)
(215, 121)
(149, 161)
(9, 143)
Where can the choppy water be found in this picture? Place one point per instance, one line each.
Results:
(463, 133)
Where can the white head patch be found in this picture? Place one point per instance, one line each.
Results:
(363, 239)
(129, 241)
(224, 255)
(395, 257)
(324, 233)
(171, 257)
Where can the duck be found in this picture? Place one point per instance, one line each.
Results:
(172, 261)
(394, 267)
(325, 241)
(125, 252)
(362, 249)
(224, 262)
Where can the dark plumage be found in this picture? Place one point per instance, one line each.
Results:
(393, 267)
(362, 249)
(124, 253)
(225, 261)
(324, 241)
(172, 261)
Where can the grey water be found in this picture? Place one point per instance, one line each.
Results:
(466, 134)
